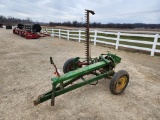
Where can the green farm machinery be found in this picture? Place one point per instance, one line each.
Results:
(77, 68)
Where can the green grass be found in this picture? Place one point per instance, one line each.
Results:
(56, 30)
(136, 44)
(138, 38)
(73, 33)
(74, 36)
(131, 38)
(115, 36)
(158, 46)
(107, 35)
(106, 40)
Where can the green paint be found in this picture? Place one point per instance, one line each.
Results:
(72, 76)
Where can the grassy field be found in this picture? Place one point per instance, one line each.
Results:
(75, 35)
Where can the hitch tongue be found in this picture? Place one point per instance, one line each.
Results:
(36, 102)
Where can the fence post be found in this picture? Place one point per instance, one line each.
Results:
(154, 44)
(95, 37)
(52, 32)
(79, 36)
(117, 42)
(67, 34)
(59, 33)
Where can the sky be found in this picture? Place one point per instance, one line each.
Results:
(106, 11)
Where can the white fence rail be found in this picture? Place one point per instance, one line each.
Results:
(113, 38)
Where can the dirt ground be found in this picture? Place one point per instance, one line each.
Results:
(25, 72)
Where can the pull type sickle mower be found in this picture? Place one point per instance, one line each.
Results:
(77, 68)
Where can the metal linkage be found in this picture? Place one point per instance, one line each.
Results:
(102, 67)
(88, 56)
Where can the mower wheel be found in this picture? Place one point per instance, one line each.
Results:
(119, 82)
(68, 65)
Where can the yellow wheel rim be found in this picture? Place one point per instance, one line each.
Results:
(121, 83)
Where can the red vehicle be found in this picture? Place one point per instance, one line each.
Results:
(29, 31)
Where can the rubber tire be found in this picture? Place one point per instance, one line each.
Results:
(67, 65)
(115, 79)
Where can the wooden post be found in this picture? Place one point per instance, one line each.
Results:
(59, 33)
(95, 37)
(67, 34)
(79, 36)
(117, 42)
(154, 44)
(52, 32)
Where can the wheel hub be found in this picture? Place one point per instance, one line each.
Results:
(121, 83)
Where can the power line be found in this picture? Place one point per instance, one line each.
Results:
(141, 12)
(152, 11)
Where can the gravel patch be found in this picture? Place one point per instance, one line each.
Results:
(25, 72)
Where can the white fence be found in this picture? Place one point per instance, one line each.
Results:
(152, 45)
